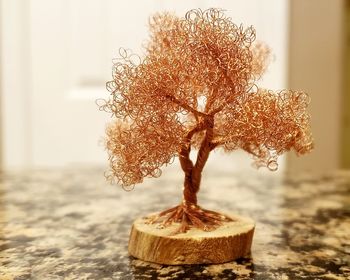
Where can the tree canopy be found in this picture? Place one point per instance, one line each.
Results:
(196, 87)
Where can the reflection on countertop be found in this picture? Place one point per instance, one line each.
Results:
(70, 224)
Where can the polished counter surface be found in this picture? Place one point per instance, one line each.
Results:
(70, 224)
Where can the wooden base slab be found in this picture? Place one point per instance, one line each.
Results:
(230, 241)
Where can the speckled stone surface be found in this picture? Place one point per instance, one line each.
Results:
(70, 224)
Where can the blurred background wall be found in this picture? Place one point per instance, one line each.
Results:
(57, 55)
(316, 65)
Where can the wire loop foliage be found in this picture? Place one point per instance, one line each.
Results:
(197, 68)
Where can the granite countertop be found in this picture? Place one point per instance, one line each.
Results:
(70, 224)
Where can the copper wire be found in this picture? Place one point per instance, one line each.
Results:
(155, 100)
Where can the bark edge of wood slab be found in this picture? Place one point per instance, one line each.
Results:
(230, 241)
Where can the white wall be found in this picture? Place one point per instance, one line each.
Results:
(57, 57)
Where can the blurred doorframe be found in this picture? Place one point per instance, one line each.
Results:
(316, 66)
(1, 95)
(16, 86)
(345, 156)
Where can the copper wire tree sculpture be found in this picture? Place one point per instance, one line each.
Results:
(196, 88)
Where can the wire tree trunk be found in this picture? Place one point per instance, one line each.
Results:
(193, 172)
(188, 213)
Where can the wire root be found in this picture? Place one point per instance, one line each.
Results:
(189, 216)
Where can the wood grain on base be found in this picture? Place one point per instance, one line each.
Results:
(230, 241)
